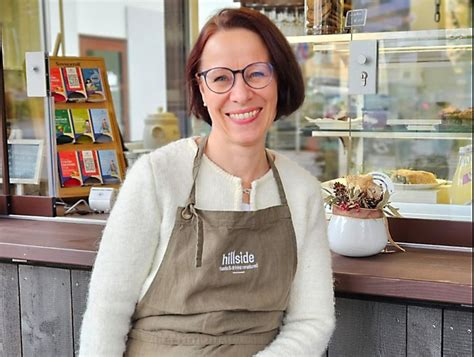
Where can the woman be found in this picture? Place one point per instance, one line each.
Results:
(216, 246)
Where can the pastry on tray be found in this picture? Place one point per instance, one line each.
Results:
(456, 117)
(413, 177)
(466, 114)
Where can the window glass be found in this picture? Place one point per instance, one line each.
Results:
(21, 31)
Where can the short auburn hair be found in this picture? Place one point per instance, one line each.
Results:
(288, 73)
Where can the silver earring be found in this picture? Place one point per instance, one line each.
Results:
(204, 103)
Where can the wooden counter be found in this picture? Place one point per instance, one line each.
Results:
(49, 242)
(419, 274)
(416, 303)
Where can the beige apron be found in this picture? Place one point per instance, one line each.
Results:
(223, 284)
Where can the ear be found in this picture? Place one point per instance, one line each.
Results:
(202, 91)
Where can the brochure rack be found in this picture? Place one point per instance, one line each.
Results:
(88, 142)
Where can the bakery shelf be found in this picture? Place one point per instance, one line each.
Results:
(461, 213)
(392, 134)
(448, 34)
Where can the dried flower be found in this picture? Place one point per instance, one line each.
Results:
(360, 192)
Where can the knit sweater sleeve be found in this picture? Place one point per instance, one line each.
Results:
(124, 259)
(310, 318)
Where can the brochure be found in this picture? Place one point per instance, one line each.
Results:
(90, 167)
(69, 172)
(64, 130)
(57, 85)
(93, 83)
(82, 126)
(101, 125)
(109, 166)
(74, 82)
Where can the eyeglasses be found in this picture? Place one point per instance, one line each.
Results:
(220, 80)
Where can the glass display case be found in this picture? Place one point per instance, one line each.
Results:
(419, 119)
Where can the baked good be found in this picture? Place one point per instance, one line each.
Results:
(451, 114)
(413, 177)
(466, 114)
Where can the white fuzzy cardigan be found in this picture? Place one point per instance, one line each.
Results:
(138, 229)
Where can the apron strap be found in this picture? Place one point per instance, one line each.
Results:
(276, 175)
(189, 211)
(196, 166)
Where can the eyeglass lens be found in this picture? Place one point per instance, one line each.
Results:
(256, 75)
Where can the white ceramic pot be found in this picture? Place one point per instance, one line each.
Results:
(357, 237)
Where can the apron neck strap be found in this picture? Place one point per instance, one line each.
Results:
(197, 165)
(276, 175)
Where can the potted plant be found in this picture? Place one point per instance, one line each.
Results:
(358, 226)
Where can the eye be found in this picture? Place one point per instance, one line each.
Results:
(256, 74)
(221, 78)
(219, 75)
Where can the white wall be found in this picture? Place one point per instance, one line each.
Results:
(103, 18)
(70, 26)
(147, 69)
(208, 8)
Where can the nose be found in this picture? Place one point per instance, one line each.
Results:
(240, 92)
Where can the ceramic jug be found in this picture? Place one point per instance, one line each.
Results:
(160, 129)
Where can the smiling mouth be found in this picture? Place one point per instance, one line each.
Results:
(244, 116)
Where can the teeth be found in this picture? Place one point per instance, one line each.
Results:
(243, 116)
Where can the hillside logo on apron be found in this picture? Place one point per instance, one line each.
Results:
(238, 262)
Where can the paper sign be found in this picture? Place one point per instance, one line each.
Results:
(356, 18)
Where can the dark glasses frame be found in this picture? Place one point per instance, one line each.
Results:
(234, 72)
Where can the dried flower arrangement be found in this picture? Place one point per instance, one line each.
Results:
(360, 192)
(362, 198)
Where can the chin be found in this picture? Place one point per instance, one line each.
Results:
(248, 139)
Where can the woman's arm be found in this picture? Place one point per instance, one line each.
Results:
(310, 319)
(123, 262)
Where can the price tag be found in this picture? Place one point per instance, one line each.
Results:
(356, 18)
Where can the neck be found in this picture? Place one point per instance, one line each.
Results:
(247, 162)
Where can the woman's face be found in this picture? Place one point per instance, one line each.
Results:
(242, 115)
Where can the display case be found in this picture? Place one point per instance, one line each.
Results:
(419, 116)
